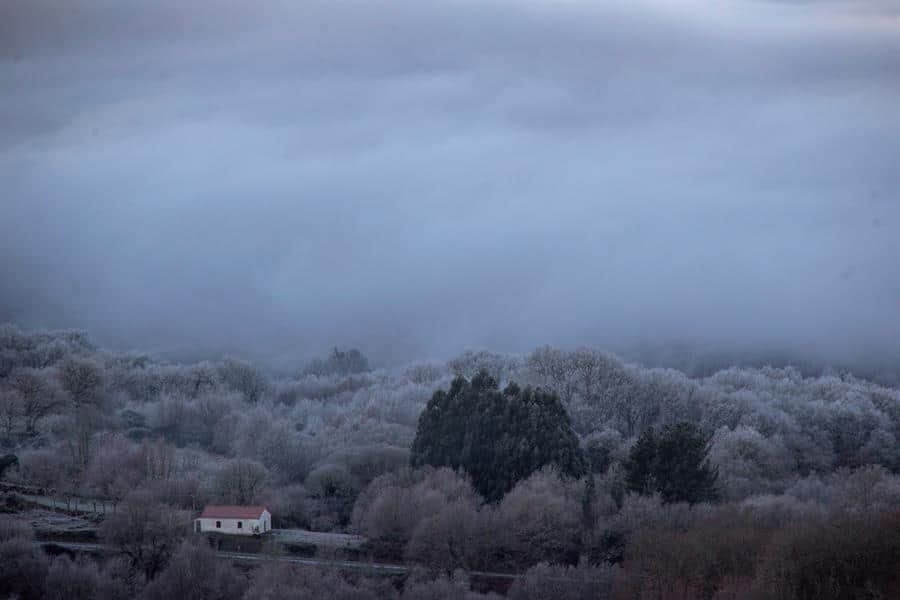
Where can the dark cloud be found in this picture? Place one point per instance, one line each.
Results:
(271, 178)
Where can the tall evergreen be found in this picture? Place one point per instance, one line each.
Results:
(641, 464)
(497, 437)
(673, 463)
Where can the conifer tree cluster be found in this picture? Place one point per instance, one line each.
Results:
(497, 437)
(673, 463)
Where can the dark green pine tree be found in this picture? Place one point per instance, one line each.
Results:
(673, 463)
(437, 427)
(683, 472)
(640, 466)
(497, 437)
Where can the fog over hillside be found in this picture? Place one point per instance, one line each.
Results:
(270, 180)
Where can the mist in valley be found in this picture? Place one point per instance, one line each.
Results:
(414, 181)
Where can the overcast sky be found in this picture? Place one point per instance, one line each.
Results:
(415, 178)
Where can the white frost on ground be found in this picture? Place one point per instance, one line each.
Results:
(318, 538)
(46, 521)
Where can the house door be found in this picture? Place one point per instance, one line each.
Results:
(197, 523)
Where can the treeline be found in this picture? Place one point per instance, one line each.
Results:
(591, 476)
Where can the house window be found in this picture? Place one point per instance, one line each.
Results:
(240, 524)
(218, 524)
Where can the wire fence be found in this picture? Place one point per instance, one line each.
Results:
(72, 504)
(53, 500)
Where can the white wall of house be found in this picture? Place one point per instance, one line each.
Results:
(230, 526)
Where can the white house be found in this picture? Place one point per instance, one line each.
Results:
(234, 520)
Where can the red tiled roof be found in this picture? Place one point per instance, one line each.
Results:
(214, 511)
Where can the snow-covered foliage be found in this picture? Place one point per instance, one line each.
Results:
(329, 449)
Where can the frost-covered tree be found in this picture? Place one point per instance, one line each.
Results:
(240, 481)
(10, 410)
(541, 520)
(279, 581)
(340, 363)
(501, 367)
(424, 373)
(564, 582)
(145, 531)
(82, 579)
(196, 573)
(445, 540)
(750, 463)
(388, 511)
(83, 380)
(23, 565)
(39, 395)
(243, 377)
